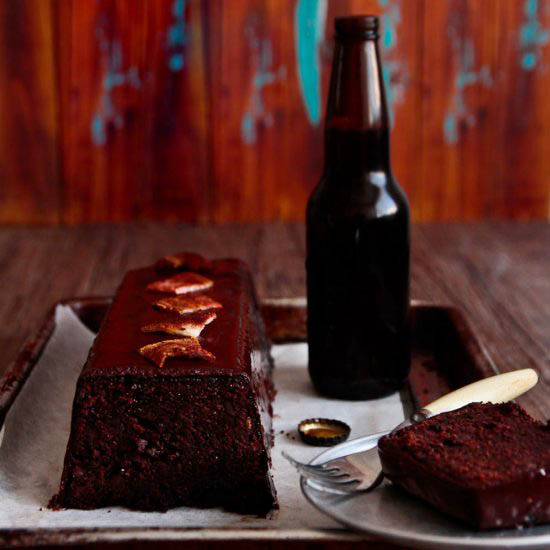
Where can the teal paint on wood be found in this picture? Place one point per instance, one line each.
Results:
(389, 21)
(264, 75)
(466, 76)
(107, 114)
(177, 37)
(394, 73)
(532, 36)
(309, 31)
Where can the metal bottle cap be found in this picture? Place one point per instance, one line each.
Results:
(323, 432)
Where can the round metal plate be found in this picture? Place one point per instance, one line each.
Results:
(391, 514)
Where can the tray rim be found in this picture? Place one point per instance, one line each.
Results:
(44, 536)
(15, 376)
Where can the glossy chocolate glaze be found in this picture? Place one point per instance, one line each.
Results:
(115, 350)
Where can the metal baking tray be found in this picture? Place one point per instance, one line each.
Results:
(446, 355)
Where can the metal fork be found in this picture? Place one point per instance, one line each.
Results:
(338, 475)
(357, 471)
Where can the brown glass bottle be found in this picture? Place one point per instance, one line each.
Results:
(357, 233)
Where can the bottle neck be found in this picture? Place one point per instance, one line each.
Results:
(357, 129)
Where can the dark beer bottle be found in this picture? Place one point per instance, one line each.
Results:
(357, 233)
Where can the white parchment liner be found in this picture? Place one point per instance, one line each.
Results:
(37, 429)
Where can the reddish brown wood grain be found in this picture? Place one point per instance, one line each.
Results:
(523, 189)
(177, 113)
(461, 80)
(234, 56)
(195, 110)
(134, 126)
(253, 99)
(28, 113)
(96, 110)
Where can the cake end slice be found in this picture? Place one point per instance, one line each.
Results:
(487, 465)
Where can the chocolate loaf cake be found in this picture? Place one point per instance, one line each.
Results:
(487, 465)
(173, 406)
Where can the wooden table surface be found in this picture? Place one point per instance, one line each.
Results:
(497, 273)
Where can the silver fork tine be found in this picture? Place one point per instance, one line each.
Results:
(342, 481)
(308, 467)
(348, 487)
(319, 476)
(330, 475)
(327, 476)
(352, 486)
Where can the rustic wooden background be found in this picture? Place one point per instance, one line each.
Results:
(212, 110)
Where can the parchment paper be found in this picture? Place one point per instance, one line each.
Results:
(37, 429)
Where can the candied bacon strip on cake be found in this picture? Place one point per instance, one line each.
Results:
(182, 283)
(187, 304)
(189, 347)
(191, 326)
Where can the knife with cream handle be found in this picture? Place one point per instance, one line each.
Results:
(495, 389)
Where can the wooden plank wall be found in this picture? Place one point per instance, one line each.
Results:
(212, 110)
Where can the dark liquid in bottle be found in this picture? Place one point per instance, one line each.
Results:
(358, 272)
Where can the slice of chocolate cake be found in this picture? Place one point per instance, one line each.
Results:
(192, 427)
(487, 465)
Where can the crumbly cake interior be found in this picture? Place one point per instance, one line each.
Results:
(478, 446)
(128, 432)
(484, 464)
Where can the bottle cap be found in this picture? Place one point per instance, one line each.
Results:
(323, 432)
